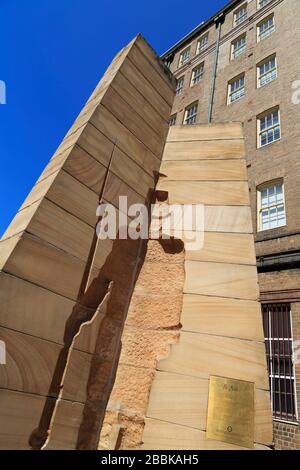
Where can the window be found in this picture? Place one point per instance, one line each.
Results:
(236, 89)
(266, 71)
(172, 120)
(238, 47)
(184, 56)
(279, 349)
(190, 114)
(202, 43)
(263, 3)
(240, 15)
(179, 86)
(271, 206)
(265, 28)
(269, 128)
(197, 74)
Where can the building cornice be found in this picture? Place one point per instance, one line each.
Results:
(287, 295)
(202, 27)
(277, 262)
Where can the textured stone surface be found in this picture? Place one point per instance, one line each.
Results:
(51, 255)
(151, 327)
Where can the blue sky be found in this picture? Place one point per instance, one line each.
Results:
(52, 55)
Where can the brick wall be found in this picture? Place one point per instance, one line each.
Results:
(287, 437)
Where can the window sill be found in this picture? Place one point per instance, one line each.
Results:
(235, 25)
(195, 84)
(265, 39)
(235, 102)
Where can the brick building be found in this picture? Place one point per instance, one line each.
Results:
(242, 64)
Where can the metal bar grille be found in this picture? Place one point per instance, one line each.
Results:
(279, 350)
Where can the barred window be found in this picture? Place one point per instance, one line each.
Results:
(238, 46)
(236, 89)
(265, 28)
(202, 43)
(267, 71)
(179, 86)
(197, 74)
(184, 56)
(271, 206)
(240, 15)
(172, 120)
(190, 114)
(269, 127)
(279, 349)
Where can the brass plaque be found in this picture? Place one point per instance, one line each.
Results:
(230, 414)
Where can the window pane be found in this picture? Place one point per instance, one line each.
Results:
(262, 3)
(202, 43)
(263, 124)
(277, 133)
(184, 56)
(197, 74)
(267, 72)
(264, 139)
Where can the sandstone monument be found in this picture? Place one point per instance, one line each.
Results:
(134, 344)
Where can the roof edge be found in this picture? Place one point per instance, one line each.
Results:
(202, 26)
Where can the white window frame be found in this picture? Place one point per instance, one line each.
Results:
(270, 75)
(193, 116)
(241, 50)
(172, 120)
(196, 79)
(239, 92)
(267, 32)
(201, 47)
(261, 131)
(179, 89)
(262, 3)
(240, 19)
(183, 60)
(271, 206)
